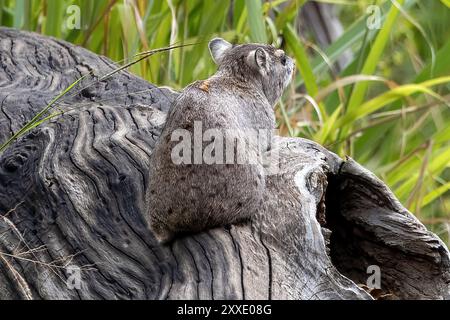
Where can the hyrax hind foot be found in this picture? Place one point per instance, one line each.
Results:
(163, 235)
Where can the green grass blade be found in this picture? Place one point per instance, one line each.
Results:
(436, 193)
(54, 18)
(294, 43)
(441, 67)
(256, 21)
(286, 119)
(440, 161)
(37, 117)
(446, 2)
(351, 37)
(373, 59)
(389, 97)
(323, 134)
(22, 14)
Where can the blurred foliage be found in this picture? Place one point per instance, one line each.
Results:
(388, 109)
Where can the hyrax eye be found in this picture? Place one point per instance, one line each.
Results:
(283, 60)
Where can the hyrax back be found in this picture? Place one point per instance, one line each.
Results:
(206, 168)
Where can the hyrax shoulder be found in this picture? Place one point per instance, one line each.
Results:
(206, 168)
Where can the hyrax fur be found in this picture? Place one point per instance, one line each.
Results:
(193, 194)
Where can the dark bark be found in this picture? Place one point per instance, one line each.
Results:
(72, 193)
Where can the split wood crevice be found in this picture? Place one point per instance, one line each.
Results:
(72, 195)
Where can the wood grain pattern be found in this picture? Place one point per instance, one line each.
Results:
(72, 194)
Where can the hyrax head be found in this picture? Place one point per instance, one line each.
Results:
(260, 64)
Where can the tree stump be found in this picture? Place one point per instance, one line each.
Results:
(72, 204)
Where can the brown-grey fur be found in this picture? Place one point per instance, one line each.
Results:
(240, 95)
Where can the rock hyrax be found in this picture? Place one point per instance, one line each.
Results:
(204, 185)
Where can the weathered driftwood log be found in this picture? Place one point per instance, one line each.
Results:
(72, 194)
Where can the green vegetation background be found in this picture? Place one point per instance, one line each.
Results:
(388, 109)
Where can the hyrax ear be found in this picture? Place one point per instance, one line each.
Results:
(217, 48)
(258, 60)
